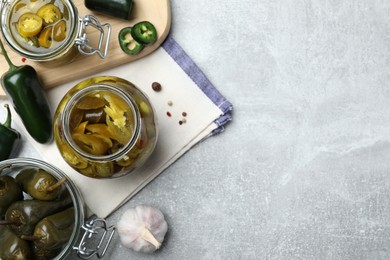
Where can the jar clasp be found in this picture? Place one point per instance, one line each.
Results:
(82, 39)
(93, 228)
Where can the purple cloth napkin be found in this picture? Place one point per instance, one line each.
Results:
(193, 71)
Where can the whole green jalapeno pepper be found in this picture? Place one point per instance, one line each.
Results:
(22, 216)
(144, 32)
(40, 184)
(127, 42)
(53, 231)
(9, 138)
(24, 90)
(10, 192)
(116, 8)
(13, 247)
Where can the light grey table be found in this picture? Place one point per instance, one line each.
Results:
(302, 172)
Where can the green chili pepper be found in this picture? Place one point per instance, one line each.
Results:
(23, 88)
(54, 231)
(116, 8)
(40, 184)
(13, 247)
(144, 32)
(22, 216)
(127, 42)
(10, 191)
(9, 138)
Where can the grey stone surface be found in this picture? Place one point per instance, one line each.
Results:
(302, 172)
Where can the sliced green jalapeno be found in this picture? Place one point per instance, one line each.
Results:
(127, 42)
(49, 14)
(144, 32)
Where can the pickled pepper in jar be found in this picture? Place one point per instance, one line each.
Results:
(40, 184)
(23, 215)
(54, 231)
(101, 121)
(12, 246)
(10, 192)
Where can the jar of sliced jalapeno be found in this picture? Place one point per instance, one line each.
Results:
(105, 127)
(42, 214)
(50, 30)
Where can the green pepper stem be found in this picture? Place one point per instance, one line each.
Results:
(5, 54)
(7, 122)
(56, 185)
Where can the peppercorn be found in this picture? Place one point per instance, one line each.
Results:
(156, 86)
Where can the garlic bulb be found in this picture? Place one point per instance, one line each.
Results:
(142, 228)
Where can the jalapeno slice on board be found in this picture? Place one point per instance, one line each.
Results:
(29, 25)
(144, 32)
(127, 42)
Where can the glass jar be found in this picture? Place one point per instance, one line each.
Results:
(52, 41)
(105, 127)
(82, 230)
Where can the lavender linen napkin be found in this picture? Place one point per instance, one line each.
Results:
(193, 71)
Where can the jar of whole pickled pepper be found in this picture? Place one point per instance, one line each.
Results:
(51, 211)
(105, 127)
(50, 31)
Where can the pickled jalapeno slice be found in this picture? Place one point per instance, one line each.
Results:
(127, 42)
(93, 143)
(45, 38)
(29, 25)
(80, 129)
(91, 102)
(72, 158)
(101, 129)
(49, 13)
(59, 32)
(121, 135)
(38, 25)
(101, 121)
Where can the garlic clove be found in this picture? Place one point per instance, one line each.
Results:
(142, 228)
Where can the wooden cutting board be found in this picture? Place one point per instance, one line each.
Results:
(156, 11)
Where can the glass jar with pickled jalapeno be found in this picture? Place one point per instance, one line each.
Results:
(50, 31)
(105, 127)
(49, 227)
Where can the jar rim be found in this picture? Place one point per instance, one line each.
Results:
(65, 119)
(39, 56)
